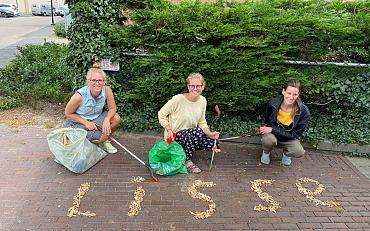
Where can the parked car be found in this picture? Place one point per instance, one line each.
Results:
(58, 12)
(41, 9)
(62, 10)
(8, 10)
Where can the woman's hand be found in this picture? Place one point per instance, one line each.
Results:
(214, 135)
(265, 130)
(91, 126)
(171, 134)
(106, 127)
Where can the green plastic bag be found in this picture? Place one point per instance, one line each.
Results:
(168, 159)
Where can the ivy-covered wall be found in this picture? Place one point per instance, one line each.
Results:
(88, 32)
(240, 48)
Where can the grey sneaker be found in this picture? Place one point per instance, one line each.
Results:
(265, 158)
(286, 160)
(107, 146)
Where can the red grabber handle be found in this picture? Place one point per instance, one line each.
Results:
(169, 139)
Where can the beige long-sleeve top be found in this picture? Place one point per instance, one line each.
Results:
(180, 113)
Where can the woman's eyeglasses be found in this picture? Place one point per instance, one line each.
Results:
(100, 81)
(195, 86)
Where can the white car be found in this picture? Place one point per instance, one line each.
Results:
(62, 10)
(8, 10)
(41, 9)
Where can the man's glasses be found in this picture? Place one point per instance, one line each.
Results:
(100, 81)
(195, 86)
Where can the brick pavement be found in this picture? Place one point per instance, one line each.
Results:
(36, 192)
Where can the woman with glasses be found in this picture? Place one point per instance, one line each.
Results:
(285, 121)
(184, 115)
(85, 109)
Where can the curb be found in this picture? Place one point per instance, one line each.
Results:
(328, 146)
(322, 146)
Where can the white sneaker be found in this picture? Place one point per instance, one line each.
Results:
(107, 146)
(265, 158)
(286, 160)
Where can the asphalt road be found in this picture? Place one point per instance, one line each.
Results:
(15, 29)
(23, 30)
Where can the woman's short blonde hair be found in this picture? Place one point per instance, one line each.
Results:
(95, 69)
(195, 76)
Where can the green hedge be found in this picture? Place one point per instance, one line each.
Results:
(59, 30)
(240, 48)
(38, 72)
(87, 33)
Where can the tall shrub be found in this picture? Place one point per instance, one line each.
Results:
(87, 34)
(38, 71)
(239, 48)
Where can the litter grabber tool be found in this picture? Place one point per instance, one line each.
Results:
(133, 155)
(213, 155)
(138, 159)
(238, 137)
(218, 112)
